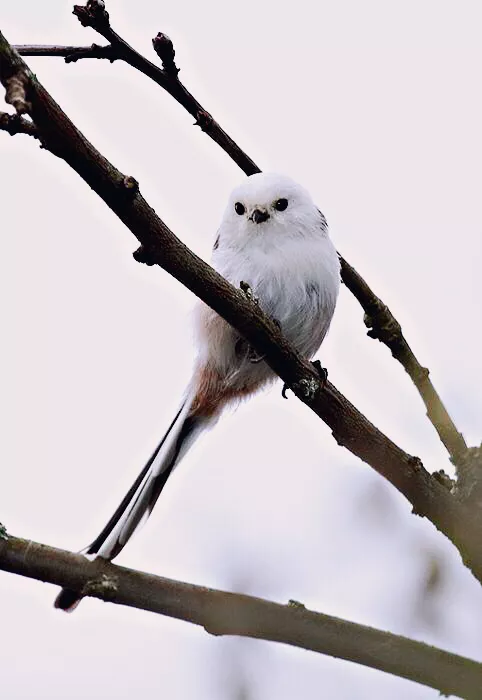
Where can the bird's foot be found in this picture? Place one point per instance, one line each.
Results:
(253, 355)
(248, 292)
(322, 372)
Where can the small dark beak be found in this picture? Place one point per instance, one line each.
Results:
(258, 216)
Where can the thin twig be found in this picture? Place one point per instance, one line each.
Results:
(223, 613)
(384, 325)
(70, 53)
(93, 14)
(160, 246)
(385, 328)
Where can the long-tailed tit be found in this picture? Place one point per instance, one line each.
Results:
(274, 238)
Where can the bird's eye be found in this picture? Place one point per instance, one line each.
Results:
(281, 204)
(239, 208)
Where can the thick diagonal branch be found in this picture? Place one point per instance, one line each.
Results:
(350, 428)
(223, 613)
(384, 326)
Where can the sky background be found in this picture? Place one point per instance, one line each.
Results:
(376, 108)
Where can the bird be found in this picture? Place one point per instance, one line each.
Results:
(273, 241)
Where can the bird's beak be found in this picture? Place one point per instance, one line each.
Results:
(259, 215)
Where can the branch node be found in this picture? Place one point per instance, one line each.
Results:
(142, 255)
(164, 48)
(420, 374)
(307, 389)
(130, 184)
(15, 124)
(92, 14)
(204, 120)
(444, 479)
(95, 51)
(415, 463)
(382, 325)
(16, 92)
(104, 587)
(469, 482)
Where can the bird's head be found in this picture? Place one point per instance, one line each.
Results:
(266, 205)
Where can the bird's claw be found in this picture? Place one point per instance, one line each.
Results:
(322, 372)
(248, 292)
(253, 356)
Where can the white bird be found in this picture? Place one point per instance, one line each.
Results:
(274, 238)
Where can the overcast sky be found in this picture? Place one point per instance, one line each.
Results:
(376, 108)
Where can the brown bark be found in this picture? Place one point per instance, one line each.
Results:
(223, 613)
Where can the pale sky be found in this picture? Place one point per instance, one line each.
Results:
(376, 108)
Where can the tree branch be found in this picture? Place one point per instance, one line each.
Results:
(70, 53)
(469, 484)
(93, 14)
(383, 325)
(160, 246)
(16, 124)
(385, 328)
(223, 613)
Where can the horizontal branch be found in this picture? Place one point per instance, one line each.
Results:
(383, 324)
(70, 53)
(222, 613)
(160, 246)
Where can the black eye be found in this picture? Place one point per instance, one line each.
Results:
(239, 208)
(281, 204)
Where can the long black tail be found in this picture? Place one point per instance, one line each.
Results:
(141, 498)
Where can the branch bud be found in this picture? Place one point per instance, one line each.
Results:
(164, 48)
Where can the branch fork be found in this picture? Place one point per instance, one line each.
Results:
(428, 495)
(92, 14)
(349, 427)
(378, 317)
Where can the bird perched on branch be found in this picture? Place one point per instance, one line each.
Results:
(274, 241)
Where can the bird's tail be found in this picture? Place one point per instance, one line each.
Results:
(141, 498)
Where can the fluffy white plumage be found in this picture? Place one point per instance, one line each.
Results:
(273, 237)
(290, 264)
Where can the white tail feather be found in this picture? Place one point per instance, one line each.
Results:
(143, 494)
(166, 457)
